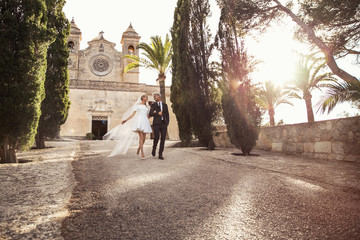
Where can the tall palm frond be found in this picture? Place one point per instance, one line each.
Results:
(338, 92)
(271, 96)
(157, 56)
(307, 76)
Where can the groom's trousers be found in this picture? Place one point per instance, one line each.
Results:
(160, 131)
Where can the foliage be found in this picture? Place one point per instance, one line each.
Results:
(180, 74)
(24, 39)
(90, 136)
(329, 25)
(241, 114)
(54, 108)
(193, 78)
(271, 96)
(202, 92)
(308, 74)
(338, 92)
(336, 21)
(157, 57)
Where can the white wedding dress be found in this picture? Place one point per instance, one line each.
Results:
(141, 122)
(126, 134)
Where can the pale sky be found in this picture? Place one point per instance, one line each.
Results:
(155, 17)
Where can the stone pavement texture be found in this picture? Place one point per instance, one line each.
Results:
(192, 194)
(33, 195)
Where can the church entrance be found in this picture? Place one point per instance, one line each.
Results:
(99, 126)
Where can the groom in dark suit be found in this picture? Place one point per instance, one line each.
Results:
(160, 112)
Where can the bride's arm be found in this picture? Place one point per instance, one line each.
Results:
(128, 117)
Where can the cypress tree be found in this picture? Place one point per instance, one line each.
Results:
(241, 114)
(24, 39)
(54, 108)
(180, 73)
(193, 91)
(203, 93)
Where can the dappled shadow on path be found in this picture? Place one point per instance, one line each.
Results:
(126, 198)
(197, 194)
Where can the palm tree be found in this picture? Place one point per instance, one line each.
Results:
(308, 74)
(271, 96)
(158, 57)
(338, 92)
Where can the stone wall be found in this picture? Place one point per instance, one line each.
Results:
(221, 138)
(337, 139)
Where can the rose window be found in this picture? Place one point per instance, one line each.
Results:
(101, 65)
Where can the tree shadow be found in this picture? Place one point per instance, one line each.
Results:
(21, 160)
(34, 148)
(171, 208)
(241, 154)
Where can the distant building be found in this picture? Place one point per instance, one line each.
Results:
(100, 91)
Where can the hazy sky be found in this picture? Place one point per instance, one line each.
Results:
(155, 17)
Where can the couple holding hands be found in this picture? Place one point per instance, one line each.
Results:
(136, 123)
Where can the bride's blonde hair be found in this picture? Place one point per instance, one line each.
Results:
(142, 97)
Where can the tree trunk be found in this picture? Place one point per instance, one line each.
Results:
(330, 60)
(309, 110)
(7, 153)
(211, 144)
(40, 141)
(272, 117)
(161, 80)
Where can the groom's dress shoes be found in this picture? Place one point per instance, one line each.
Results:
(161, 157)
(153, 152)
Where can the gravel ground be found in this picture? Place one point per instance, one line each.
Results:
(33, 195)
(197, 194)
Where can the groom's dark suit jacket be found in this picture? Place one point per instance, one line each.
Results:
(157, 117)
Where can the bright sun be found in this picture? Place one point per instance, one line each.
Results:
(277, 49)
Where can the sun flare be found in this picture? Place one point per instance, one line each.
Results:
(279, 53)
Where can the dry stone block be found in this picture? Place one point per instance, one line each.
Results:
(284, 133)
(309, 147)
(277, 147)
(323, 147)
(336, 134)
(353, 158)
(321, 155)
(328, 126)
(338, 148)
(290, 147)
(350, 135)
(299, 148)
(339, 157)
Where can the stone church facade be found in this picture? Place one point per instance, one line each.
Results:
(100, 91)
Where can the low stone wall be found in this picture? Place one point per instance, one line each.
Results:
(221, 138)
(337, 139)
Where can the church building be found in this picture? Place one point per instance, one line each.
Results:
(100, 91)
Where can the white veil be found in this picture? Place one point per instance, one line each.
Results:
(123, 134)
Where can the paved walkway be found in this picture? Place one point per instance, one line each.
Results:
(33, 195)
(193, 194)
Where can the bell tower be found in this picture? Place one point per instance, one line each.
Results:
(130, 39)
(74, 47)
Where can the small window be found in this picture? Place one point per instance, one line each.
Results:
(131, 50)
(71, 46)
(101, 48)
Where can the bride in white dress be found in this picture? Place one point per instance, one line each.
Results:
(135, 120)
